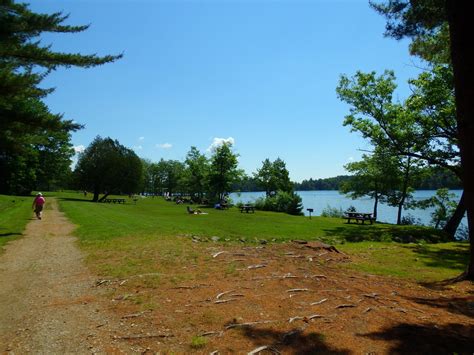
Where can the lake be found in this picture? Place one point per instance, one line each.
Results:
(318, 200)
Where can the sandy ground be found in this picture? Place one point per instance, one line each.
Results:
(287, 298)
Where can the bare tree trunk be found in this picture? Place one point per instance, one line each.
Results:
(404, 191)
(452, 225)
(462, 56)
(376, 203)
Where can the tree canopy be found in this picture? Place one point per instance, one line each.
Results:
(30, 135)
(107, 167)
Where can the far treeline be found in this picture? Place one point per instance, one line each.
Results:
(433, 179)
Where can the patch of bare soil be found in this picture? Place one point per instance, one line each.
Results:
(289, 298)
(47, 302)
(293, 299)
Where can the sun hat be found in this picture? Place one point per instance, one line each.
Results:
(39, 194)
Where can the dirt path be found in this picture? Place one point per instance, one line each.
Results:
(47, 300)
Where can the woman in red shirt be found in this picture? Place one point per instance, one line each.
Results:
(38, 204)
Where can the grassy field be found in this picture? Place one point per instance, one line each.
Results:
(137, 238)
(15, 213)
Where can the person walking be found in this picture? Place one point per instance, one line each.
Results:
(38, 204)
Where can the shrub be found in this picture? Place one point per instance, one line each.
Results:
(288, 202)
(332, 212)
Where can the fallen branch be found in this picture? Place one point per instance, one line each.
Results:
(225, 301)
(218, 333)
(292, 319)
(261, 348)
(298, 290)
(185, 287)
(133, 315)
(367, 310)
(319, 302)
(249, 324)
(100, 282)
(148, 336)
(371, 295)
(318, 276)
(223, 293)
(258, 266)
(314, 316)
(345, 306)
(218, 253)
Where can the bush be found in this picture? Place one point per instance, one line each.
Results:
(410, 220)
(332, 212)
(288, 202)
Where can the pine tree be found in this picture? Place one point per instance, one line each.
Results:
(26, 124)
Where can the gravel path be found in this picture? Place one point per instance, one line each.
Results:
(48, 302)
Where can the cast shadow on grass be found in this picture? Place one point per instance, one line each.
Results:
(292, 342)
(74, 199)
(427, 339)
(386, 233)
(9, 234)
(454, 258)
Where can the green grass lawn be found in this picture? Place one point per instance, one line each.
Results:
(15, 213)
(127, 233)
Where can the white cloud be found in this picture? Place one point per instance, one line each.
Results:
(138, 147)
(164, 146)
(141, 139)
(79, 148)
(217, 142)
(350, 159)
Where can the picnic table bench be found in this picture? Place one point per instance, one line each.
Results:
(358, 217)
(114, 200)
(247, 208)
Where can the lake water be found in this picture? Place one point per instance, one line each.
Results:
(318, 200)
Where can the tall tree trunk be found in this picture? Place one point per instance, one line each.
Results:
(406, 180)
(462, 56)
(452, 225)
(376, 203)
(96, 196)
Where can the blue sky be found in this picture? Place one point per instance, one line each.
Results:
(262, 73)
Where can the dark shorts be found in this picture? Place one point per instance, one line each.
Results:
(38, 208)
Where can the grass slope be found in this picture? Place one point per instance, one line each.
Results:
(128, 239)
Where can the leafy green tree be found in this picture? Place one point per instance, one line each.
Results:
(273, 177)
(444, 204)
(26, 124)
(195, 177)
(415, 19)
(375, 176)
(169, 173)
(107, 167)
(223, 172)
(423, 127)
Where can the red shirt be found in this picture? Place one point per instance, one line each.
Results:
(39, 200)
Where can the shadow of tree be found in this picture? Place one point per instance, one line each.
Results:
(454, 258)
(294, 341)
(456, 305)
(9, 234)
(386, 232)
(74, 199)
(427, 339)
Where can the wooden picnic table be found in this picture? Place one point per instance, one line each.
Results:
(247, 209)
(114, 200)
(358, 216)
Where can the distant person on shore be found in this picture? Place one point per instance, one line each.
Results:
(38, 204)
